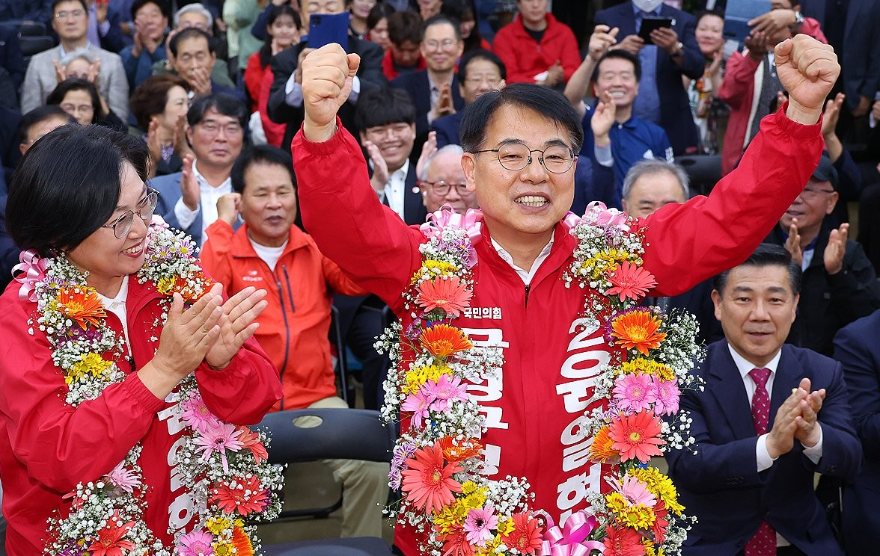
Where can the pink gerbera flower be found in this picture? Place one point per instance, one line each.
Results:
(197, 543)
(110, 538)
(446, 390)
(123, 478)
(633, 491)
(218, 439)
(448, 294)
(666, 394)
(479, 525)
(428, 480)
(634, 392)
(196, 414)
(636, 436)
(418, 403)
(629, 280)
(251, 440)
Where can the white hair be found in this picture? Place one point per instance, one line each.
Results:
(198, 8)
(448, 149)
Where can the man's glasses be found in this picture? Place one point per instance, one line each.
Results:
(213, 128)
(557, 159)
(442, 188)
(144, 210)
(75, 14)
(808, 193)
(445, 44)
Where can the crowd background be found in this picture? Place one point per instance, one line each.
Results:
(202, 83)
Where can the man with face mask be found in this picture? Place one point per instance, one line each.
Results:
(669, 54)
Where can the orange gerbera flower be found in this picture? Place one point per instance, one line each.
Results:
(448, 294)
(630, 281)
(428, 481)
(251, 441)
(83, 306)
(601, 449)
(247, 496)
(455, 453)
(241, 542)
(637, 329)
(526, 534)
(636, 436)
(443, 340)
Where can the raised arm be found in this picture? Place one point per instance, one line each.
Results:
(696, 240)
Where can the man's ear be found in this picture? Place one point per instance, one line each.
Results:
(716, 299)
(832, 202)
(469, 165)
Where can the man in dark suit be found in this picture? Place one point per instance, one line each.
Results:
(769, 417)
(435, 90)
(857, 349)
(662, 98)
(285, 97)
(479, 71)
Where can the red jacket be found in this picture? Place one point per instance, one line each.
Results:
(738, 91)
(47, 446)
(532, 409)
(524, 58)
(258, 81)
(293, 328)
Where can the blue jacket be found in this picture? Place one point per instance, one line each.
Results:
(169, 193)
(139, 68)
(720, 484)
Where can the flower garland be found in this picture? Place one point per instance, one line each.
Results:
(437, 459)
(223, 466)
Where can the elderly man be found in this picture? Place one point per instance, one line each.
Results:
(70, 21)
(188, 199)
(193, 58)
(520, 144)
(443, 183)
(769, 417)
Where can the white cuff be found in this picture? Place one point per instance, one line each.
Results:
(185, 217)
(293, 92)
(815, 453)
(355, 90)
(603, 155)
(762, 455)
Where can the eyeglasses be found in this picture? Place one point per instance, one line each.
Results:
(557, 159)
(75, 14)
(213, 128)
(445, 44)
(144, 210)
(808, 193)
(442, 188)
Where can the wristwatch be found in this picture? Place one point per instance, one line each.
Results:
(798, 21)
(679, 49)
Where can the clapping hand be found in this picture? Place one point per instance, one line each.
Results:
(189, 186)
(603, 119)
(793, 243)
(444, 106)
(428, 150)
(235, 325)
(380, 176)
(836, 249)
(327, 79)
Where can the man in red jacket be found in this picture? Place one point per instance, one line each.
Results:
(531, 408)
(536, 48)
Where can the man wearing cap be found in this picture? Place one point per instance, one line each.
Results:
(839, 285)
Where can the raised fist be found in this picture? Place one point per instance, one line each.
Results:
(327, 75)
(807, 69)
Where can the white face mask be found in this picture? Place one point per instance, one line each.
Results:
(647, 5)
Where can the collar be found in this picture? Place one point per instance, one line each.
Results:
(744, 366)
(639, 13)
(119, 300)
(401, 172)
(525, 273)
(63, 53)
(203, 182)
(563, 245)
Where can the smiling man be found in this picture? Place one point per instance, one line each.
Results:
(768, 418)
(188, 199)
(520, 148)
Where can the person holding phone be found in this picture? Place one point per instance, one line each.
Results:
(285, 97)
(666, 54)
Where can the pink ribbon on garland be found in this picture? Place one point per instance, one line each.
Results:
(606, 217)
(571, 539)
(33, 269)
(445, 217)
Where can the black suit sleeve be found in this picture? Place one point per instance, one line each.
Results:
(283, 66)
(370, 70)
(860, 358)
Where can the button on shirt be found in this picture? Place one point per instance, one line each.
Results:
(395, 190)
(208, 196)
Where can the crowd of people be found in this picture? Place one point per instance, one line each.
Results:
(306, 170)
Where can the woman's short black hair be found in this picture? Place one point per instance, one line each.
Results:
(377, 13)
(546, 102)
(224, 103)
(151, 96)
(259, 154)
(75, 84)
(68, 184)
(378, 107)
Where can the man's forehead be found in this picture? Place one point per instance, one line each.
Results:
(193, 44)
(766, 278)
(440, 30)
(447, 167)
(213, 115)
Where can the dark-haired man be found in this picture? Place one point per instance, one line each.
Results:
(70, 21)
(769, 417)
(404, 55)
(188, 199)
(520, 145)
(285, 99)
(193, 58)
(479, 71)
(268, 251)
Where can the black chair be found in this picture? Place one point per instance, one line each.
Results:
(703, 170)
(340, 434)
(32, 29)
(346, 389)
(35, 45)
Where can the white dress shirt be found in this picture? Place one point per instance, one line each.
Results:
(525, 275)
(394, 193)
(208, 196)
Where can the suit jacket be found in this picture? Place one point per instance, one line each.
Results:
(39, 80)
(720, 484)
(169, 193)
(417, 85)
(284, 64)
(698, 302)
(860, 64)
(414, 211)
(447, 129)
(857, 349)
(674, 104)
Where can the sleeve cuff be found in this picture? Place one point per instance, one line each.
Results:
(762, 455)
(603, 155)
(139, 392)
(815, 453)
(293, 93)
(355, 90)
(185, 217)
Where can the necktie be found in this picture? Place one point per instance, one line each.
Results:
(764, 541)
